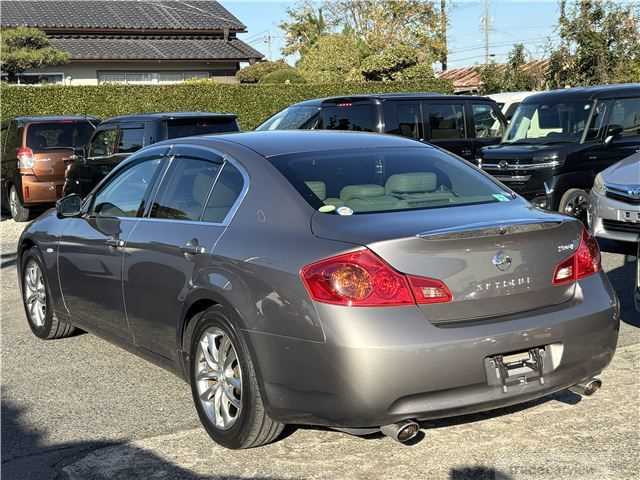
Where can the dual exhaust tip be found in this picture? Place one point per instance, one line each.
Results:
(406, 430)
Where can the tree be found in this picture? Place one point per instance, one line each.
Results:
(385, 65)
(303, 28)
(510, 77)
(331, 59)
(25, 49)
(288, 75)
(600, 43)
(253, 73)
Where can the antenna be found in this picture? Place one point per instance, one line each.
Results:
(485, 23)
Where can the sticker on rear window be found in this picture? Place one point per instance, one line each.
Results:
(500, 197)
(344, 211)
(327, 208)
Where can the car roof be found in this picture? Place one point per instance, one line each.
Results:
(389, 96)
(283, 142)
(167, 115)
(54, 118)
(586, 93)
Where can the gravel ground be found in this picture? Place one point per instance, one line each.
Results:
(81, 408)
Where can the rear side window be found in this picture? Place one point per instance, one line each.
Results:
(446, 121)
(348, 117)
(131, 140)
(225, 193)
(386, 179)
(185, 189)
(403, 118)
(625, 112)
(48, 136)
(187, 127)
(292, 118)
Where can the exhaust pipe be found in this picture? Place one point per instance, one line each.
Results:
(588, 388)
(402, 431)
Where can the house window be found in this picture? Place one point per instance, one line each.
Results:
(146, 78)
(35, 78)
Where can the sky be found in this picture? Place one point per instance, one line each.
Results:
(531, 22)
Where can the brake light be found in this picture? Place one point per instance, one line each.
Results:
(344, 104)
(25, 157)
(584, 262)
(362, 279)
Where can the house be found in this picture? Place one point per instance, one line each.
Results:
(466, 80)
(134, 41)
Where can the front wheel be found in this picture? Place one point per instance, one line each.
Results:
(224, 385)
(575, 202)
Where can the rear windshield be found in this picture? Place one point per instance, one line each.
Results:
(187, 127)
(292, 118)
(48, 136)
(389, 179)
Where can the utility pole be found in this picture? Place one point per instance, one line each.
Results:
(486, 28)
(443, 33)
(267, 41)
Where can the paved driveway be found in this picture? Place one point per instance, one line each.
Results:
(81, 408)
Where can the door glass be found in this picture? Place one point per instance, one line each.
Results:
(626, 113)
(184, 191)
(131, 140)
(123, 195)
(597, 121)
(348, 117)
(402, 118)
(486, 122)
(446, 121)
(225, 193)
(103, 143)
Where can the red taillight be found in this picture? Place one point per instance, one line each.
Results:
(362, 279)
(25, 157)
(584, 262)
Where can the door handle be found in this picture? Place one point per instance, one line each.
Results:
(192, 248)
(115, 242)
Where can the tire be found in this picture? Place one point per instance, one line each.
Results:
(40, 316)
(575, 202)
(18, 211)
(244, 427)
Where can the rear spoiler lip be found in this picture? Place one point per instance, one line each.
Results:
(492, 229)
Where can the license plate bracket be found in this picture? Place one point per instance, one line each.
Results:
(629, 216)
(517, 368)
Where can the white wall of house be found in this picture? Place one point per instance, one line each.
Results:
(85, 73)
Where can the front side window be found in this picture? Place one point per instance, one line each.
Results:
(446, 121)
(625, 113)
(361, 118)
(225, 193)
(548, 123)
(49, 136)
(292, 118)
(103, 143)
(386, 179)
(185, 189)
(187, 127)
(486, 123)
(131, 140)
(123, 195)
(403, 118)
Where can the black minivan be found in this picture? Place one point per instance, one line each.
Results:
(459, 124)
(558, 141)
(118, 137)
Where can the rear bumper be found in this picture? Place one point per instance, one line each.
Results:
(605, 222)
(40, 191)
(379, 366)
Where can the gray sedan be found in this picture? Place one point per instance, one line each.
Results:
(358, 281)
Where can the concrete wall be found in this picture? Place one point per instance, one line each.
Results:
(87, 73)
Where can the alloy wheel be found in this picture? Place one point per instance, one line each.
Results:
(218, 378)
(13, 203)
(35, 293)
(577, 205)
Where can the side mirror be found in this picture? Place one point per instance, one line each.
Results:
(613, 132)
(69, 206)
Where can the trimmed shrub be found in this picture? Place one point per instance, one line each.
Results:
(253, 73)
(252, 103)
(283, 76)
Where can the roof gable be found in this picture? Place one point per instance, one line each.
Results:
(119, 15)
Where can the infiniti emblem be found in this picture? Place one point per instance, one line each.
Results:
(502, 261)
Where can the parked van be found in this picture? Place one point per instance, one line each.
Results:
(459, 124)
(35, 152)
(558, 141)
(118, 137)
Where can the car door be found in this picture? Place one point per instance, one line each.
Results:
(445, 126)
(171, 247)
(487, 125)
(85, 173)
(91, 246)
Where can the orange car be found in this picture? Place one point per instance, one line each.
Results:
(35, 153)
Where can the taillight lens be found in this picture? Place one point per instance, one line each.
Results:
(25, 157)
(584, 262)
(362, 279)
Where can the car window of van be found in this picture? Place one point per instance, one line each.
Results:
(347, 116)
(403, 118)
(625, 112)
(487, 124)
(103, 143)
(446, 121)
(50, 136)
(292, 118)
(131, 140)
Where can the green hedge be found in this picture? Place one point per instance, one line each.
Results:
(252, 103)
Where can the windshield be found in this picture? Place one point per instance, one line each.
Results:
(292, 118)
(49, 136)
(360, 181)
(547, 123)
(187, 127)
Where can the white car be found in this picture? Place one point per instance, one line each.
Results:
(509, 101)
(614, 211)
